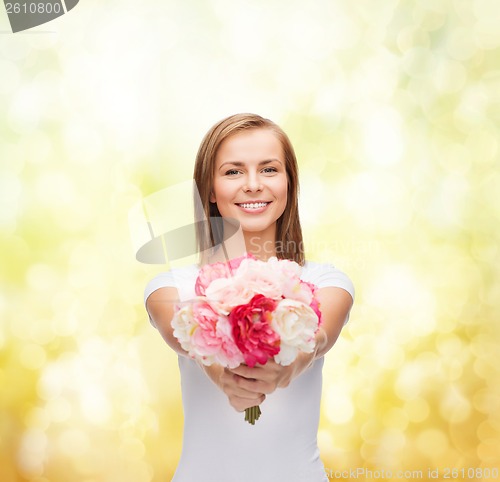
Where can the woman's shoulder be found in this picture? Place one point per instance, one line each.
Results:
(325, 275)
(175, 278)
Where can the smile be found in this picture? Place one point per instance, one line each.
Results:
(258, 205)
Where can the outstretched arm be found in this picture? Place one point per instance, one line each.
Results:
(160, 306)
(335, 305)
(244, 386)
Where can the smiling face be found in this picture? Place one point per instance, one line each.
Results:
(250, 182)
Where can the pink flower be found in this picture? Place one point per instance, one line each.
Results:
(258, 278)
(230, 356)
(287, 267)
(314, 303)
(205, 334)
(295, 290)
(236, 262)
(252, 331)
(229, 292)
(204, 338)
(211, 272)
(285, 274)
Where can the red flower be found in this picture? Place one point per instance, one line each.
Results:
(252, 330)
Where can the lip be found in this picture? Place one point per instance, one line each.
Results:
(254, 210)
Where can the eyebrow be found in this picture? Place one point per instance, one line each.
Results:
(239, 163)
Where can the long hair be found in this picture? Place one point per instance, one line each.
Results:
(289, 242)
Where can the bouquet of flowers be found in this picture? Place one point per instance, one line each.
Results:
(248, 311)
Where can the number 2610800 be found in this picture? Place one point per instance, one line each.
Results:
(33, 7)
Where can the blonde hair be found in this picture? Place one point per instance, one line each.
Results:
(288, 229)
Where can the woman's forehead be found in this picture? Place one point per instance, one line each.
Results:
(252, 145)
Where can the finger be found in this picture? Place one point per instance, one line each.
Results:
(258, 372)
(255, 386)
(243, 392)
(240, 404)
(231, 378)
(243, 371)
(239, 386)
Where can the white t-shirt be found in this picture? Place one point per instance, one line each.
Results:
(218, 445)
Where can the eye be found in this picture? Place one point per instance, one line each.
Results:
(232, 172)
(269, 170)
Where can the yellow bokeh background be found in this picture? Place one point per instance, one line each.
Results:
(394, 110)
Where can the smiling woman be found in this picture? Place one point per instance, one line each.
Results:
(250, 183)
(246, 171)
(251, 142)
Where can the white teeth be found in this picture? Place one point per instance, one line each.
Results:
(253, 205)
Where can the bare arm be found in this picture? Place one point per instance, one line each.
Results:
(335, 304)
(245, 386)
(160, 306)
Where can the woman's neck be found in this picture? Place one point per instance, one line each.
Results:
(261, 245)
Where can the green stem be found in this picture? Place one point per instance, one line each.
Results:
(252, 414)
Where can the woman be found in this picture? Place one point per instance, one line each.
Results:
(246, 170)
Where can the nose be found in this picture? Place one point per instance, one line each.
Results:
(252, 183)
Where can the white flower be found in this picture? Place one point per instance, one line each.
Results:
(296, 323)
(184, 324)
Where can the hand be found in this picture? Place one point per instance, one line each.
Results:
(241, 392)
(267, 378)
(272, 375)
(247, 386)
